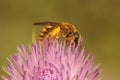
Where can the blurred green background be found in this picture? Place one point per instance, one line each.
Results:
(97, 20)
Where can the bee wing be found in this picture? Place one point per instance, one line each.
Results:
(47, 23)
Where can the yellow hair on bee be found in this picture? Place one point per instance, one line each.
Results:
(55, 32)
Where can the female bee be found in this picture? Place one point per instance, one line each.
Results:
(59, 30)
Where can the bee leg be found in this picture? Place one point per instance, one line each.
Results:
(57, 36)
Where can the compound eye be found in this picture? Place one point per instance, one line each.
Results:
(76, 35)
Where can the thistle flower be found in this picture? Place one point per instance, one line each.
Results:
(51, 62)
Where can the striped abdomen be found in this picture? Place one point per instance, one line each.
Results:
(44, 32)
(51, 31)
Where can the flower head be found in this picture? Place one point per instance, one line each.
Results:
(51, 61)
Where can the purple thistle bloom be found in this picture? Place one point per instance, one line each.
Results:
(51, 62)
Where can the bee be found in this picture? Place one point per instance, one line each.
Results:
(59, 30)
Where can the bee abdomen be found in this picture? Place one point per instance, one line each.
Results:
(41, 36)
(43, 33)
